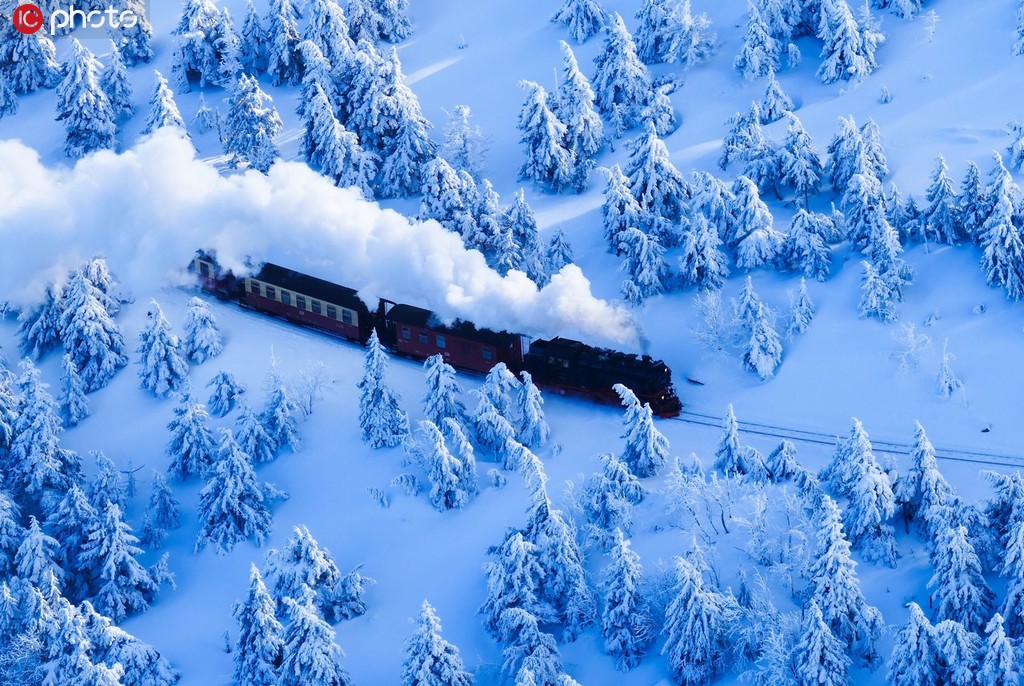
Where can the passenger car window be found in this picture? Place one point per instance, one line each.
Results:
(271, 293)
(441, 343)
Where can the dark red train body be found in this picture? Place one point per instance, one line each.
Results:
(569, 366)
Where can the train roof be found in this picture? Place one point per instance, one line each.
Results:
(291, 280)
(567, 348)
(425, 319)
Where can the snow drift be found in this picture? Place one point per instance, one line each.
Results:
(148, 209)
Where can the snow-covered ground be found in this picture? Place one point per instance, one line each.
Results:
(954, 89)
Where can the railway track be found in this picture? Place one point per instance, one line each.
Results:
(829, 440)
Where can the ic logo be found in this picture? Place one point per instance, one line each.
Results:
(27, 18)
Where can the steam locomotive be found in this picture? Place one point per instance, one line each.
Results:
(568, 366)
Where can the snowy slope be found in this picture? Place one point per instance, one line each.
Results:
(952, 94)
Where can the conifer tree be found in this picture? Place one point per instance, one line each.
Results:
(874, 154)
(872, 504)
(123, 586)
(533, 430)
(28, 61)
(512, 581)
(162, 513)
(251, 125)
(532, 655)
(364, 21)
(729, 457)
(232, 505)
(703, 263)
(940, 218)
(621, 78)
(548, 161)
(802, 311)
(83, 106)
(745, 135)
(442, 194)
(559, 253)
(653, 32)
(584, 132)
(800, 164)
(336, 152)
(625, 618)
(583, 18)
(226, 393)
(693, 42)
(39, 327)
(819, 658)
(916, 660)
(645, 266)
(279, 416)
(143, 665)
(921, 491)
(655, 182)
(258, 653)
(971, 202)
(164, 369)
(327, 29)
(205, 48)
(959, 590)
(782, 463)
(202, 337)
(751, 215)
(253, 44)
(849, 46)
(252, 437)
(430, 660)
(36, 559)
(960, 651)
(845, 154)
(999, 664)
(135, 42)
(775, 104)
(115, 83)
(106, 485)
(877, 298)
(763, 352)
(713, 199)
(11, 534)
(191, 446)
(806, 247)
(620, 209)
(1003, 251)
(441, 400)
(646, 449)
(465, 144)
(73, 401)
(310, 655)
(405, 155)
(284, 62)
(444, 470)
(521, 223)
(383, 422)
(760, 51)
(660, 111)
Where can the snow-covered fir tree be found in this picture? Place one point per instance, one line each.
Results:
(465, 145)
(444, 470)
(763, 352)
(644, 264)
(135, 42)
(872, 504)
(863, 207)
(782, 464)
(395, 25)
(712, 198)
(532, 428)
(1003, 250)
(162, 513)
(656, 183)
(761, 247)
(253, 42)
(459, 446)
(280, 414)
(106, 486)
(252, 437)
(874, 153)
(941, 223)
(819, 659)
(225, 394)
(775, 104)
(406, 152)
(646, 449)
(232, 505)
(196, 57)
(759, 51)
(430, 660)
(959, 589)
(698, 622)
(259, 650)
(621, 78)
(653, 33)
(751, 215)
(802, 311)
(383, 422)
(122, 585)
(848, 460)
(659, 111)
(115, 83)
(558, 253)
(960, 650)
(83, 106)
(441, 400)
(317, 71)
(845, 154)
(284, 62)
(948, 382)
(583, 18)
(191, 446)
(584, 132)
(626, 623)
(144, 666)
(310, 656)
(73, 401)
(39, 326)
(693, 41)
(877, 298)
(916, 660)
(849, 46)
(999, 664)
(547, 160)
(163, 367)
(729, 457)
(531, 655)
(620, 209)
(327, 29)
(703, 263)
(512, 581)
(12, 533)
(800, 163)
(251, 125)
(36, 559)
(521, 222)
(806, 247)
(28, 61)
(921, 491)
(332, 149)
(202, 337)
(971, 203)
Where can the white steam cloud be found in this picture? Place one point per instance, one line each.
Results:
(148, 209)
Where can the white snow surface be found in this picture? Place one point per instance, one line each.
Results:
(149, 208)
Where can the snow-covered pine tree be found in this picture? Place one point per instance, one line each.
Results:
(143, 665)
(407, 151)
(521, 222)
(74, 404)
(106, 486)
(759, 51)
(584, 132)
(327, 29)
(620, 209)
(383, 422)
(836, 588)
(558, 253)
(845, 155)
(819, 659)
(512, 581)
(253, 42)
(660, 111)
(202, 337)
(940, 217)
(135, 41)
(364, 21)
(849, 47)
(280, 414)
(872, 505)
(532, 429)
(195, 57)
(284, 62)
(693, 42)
(252, 437)
(877, 299)
(851, 453)
(458, 444)
(703, 263)
(972, 205)
(36, 559)
(775, 104)
(646, 449)
(656, 183)
(802, 311)
(225, 394)
(430, 660)
(163, 368)
(122, 585)
(961, 653)
(251, 125)
(329, 147)
(999, 664)
(258, 653)
(232, 505)
(28, 61)
(621, 78)
(227, 49)
(317, 71)
(644, 263)
(712, 198)
(751, 215)
(626, 622)
(698, 622)
(547, 160)
(310, 656)
(115, 83)
(916, 660)
(444, 470)
(782, 464)
(39, 327)
(874, 153)
(583, 18)
(441, 400)
(959, 589)
(1003, 251)
(653, 33)
(12, 534)
(921, 491)
(161, 513)
(948, 382)
(729, 457)
(801, 165)
(395, 25)
(83, 106)
(763, 352)
(863, 206)
(531, 655)
(465, 144)
(191, 446)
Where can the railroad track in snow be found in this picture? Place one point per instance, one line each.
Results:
(829, 440)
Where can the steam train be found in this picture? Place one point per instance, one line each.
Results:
(568, 366)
